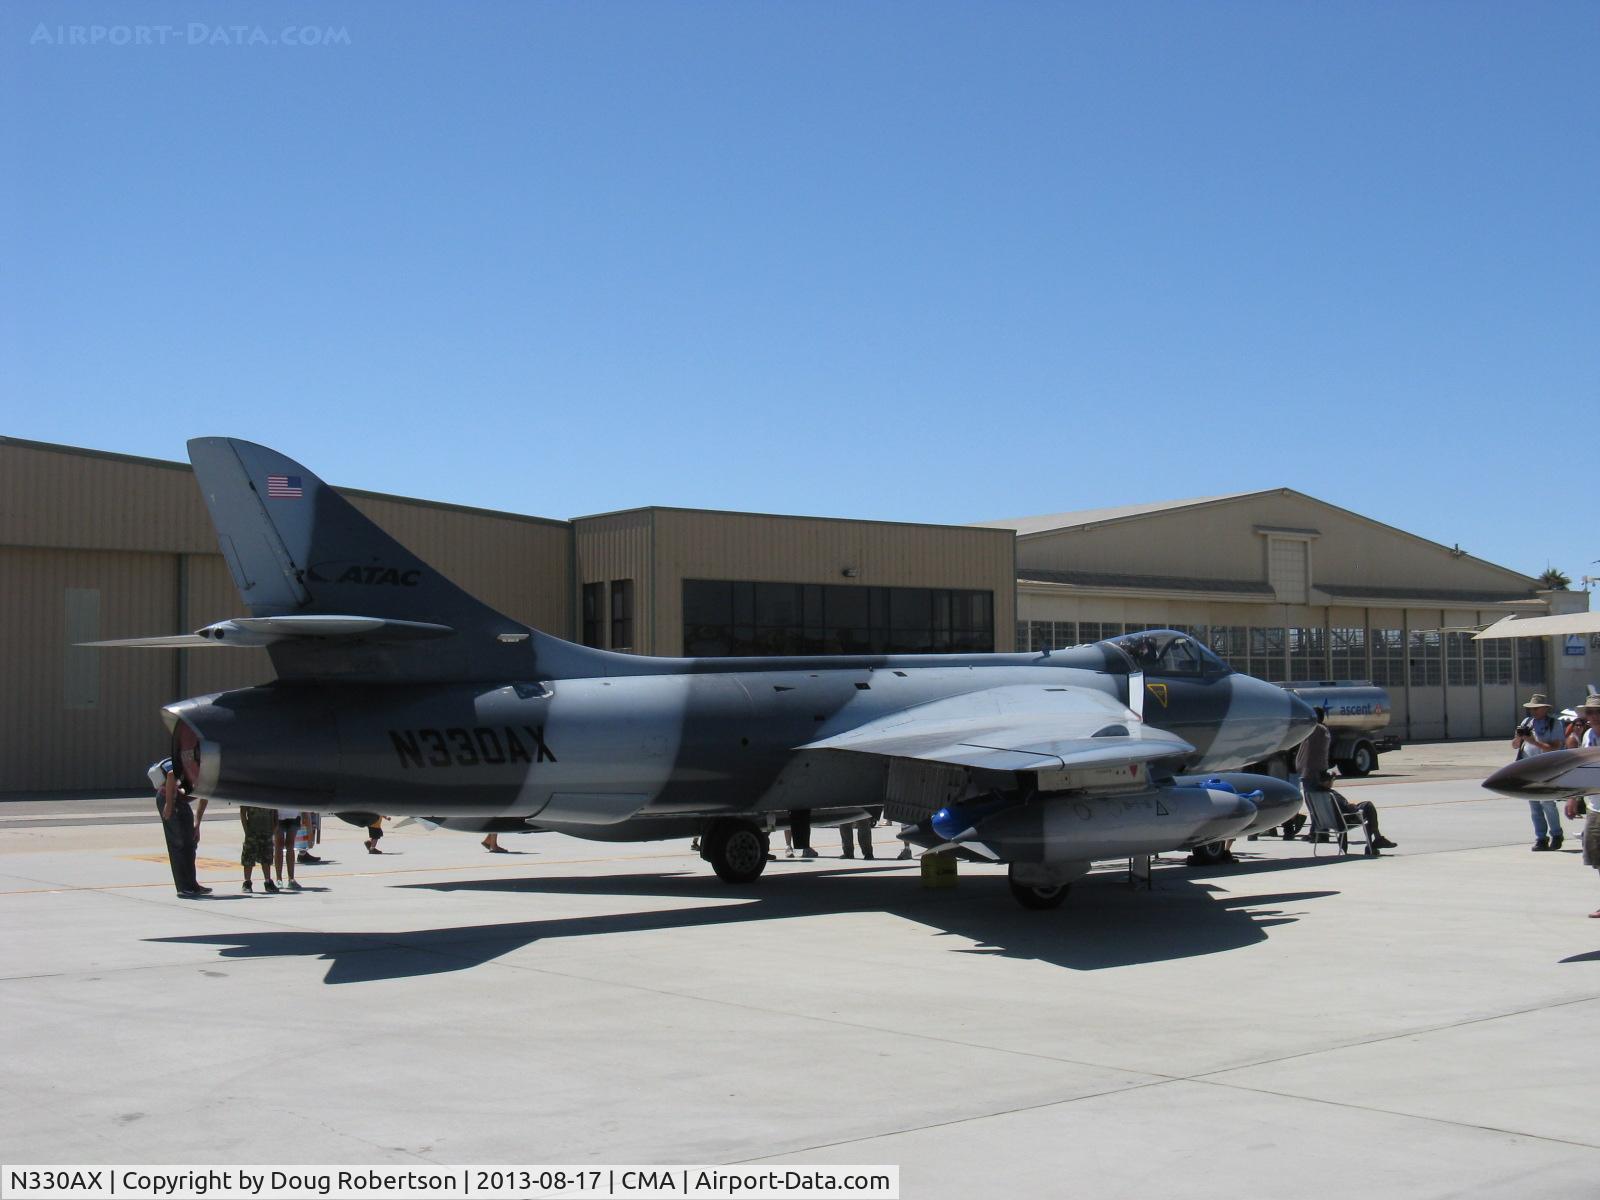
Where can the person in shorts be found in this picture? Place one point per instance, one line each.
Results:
(283, 848)
(259, 824)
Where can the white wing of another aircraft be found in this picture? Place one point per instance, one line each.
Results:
(1558, 626)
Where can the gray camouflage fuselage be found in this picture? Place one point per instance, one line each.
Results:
(613, 757)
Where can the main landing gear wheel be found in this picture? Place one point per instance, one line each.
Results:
(737, 851)
(1036, 896)
(1210, 853)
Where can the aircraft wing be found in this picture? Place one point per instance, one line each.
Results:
(1020, 727)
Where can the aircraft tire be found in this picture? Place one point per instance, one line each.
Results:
(736, 850)
(1037, 898)
(1210, 853)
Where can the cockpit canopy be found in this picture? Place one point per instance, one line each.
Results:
(1168, 652)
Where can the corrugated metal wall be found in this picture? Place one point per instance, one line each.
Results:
(516, 565)
(1220, 541)
(618, 546)
(61, 497)
(45, 743)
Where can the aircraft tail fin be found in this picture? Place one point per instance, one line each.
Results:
(296, 548)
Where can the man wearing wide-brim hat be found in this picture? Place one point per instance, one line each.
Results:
(1590, 711)
(1540, 733)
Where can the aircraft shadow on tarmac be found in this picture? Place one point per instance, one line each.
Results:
(1105, 923)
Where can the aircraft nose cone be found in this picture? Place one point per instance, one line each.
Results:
(1301, 716)
(1301, 720)
(1537, 776)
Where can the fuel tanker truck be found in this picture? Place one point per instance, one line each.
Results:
(1358, 713)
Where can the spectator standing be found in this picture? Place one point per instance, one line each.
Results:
(181, 824)
(1587, 738)
(283, 848)
(800, 823)
(1540, 733)
(258, 825)
(309, 837)
(862, 831)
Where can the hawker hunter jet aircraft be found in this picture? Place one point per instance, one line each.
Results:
(399, 693)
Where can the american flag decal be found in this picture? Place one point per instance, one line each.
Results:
(284, 487)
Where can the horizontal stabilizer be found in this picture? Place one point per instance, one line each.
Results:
(386, 629)
(177, 641)
(268, 631)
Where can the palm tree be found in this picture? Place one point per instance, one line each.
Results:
(1554, 581)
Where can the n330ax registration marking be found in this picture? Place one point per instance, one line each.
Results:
(477, 746)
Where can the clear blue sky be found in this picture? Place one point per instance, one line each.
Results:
(934, 262)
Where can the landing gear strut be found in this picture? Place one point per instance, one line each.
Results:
(736, 850)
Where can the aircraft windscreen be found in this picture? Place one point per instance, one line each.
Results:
(1167, 652)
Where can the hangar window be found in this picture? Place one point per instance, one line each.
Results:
(1048, 635)
(1497, 662)
(622, 614)
(1098, 631)
(1530, 660)
(1347, 653)
(1267, 654)
(724, 617)
(1231, 645)
(594, 602)
(1423, 656)
(1388, 657)
(1308, 654)
(1461, 660)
